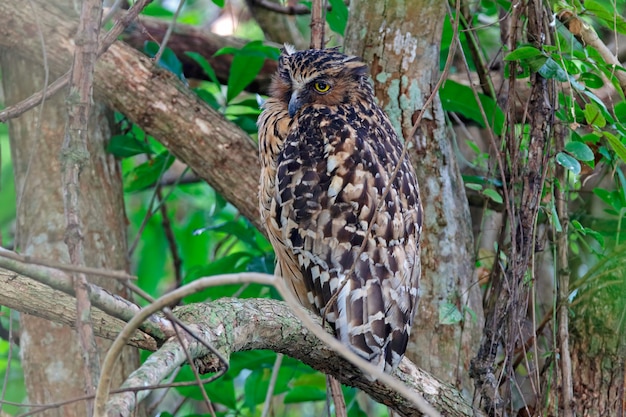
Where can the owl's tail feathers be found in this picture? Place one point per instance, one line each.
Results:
(367, 327)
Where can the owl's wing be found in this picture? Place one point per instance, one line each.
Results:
(331, 179)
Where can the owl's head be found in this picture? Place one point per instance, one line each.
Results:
(319, 76)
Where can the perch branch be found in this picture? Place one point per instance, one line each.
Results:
(258, 324)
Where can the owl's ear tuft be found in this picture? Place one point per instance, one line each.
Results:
(287, 49)
(355, 66)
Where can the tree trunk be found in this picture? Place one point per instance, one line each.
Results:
(51, 354)
(400, 40)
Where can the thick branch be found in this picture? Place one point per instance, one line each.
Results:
(270, 324)
(251, 324)
(26, 295)
(216, 149)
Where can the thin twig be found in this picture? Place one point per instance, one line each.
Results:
(318, 24)
(74, 158)
(563, 271)
(168, 33)
(272, 385)
(96, 272)
(177, 262)
(190, 361)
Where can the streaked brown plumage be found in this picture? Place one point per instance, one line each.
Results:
(328, 153)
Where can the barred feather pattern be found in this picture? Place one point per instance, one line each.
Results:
(343, 228)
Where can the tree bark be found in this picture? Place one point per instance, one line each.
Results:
(400, 39)
(51, 352)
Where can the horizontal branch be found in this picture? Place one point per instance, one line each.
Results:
(271, 324)
(54, 282)
(26, 295)
(251, 324)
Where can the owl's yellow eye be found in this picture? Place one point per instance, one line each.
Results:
(321, 87)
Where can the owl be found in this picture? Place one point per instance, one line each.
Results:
(344, 225)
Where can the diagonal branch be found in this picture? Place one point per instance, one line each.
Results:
(216, 149)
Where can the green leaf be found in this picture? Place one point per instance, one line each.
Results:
(246, 64)
(523, 52)
(593, 116)
(168, 59)
(221, 391)
(616, 144)
(555, 219)
(449, 313)
(337, 17)
(460, 99)
(610, 198)
(229, 264)
(493, 195)
(591, 80)
(205, 65)
(218, 3)
(304, 394)
(580, 151)
(147, 174)
(568, 162)
(610, 18)
(551, 69)
(125, 146)
(620, 111)
(471, 186)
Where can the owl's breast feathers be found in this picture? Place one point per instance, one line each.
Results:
(324, 176)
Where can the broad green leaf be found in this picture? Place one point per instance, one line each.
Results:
(591, 80)
(610, 198)
(337, 17)
(304, 394)
(616, 145)
(493, 195)
(156, 10)
(257, 384)
(475, 187)
(593, 116)
(218, 3)
(620, 111)
(580, 151)
(205, 65)
(147, 174)
(124, 146)
(221, 391)
(551, 69)
(568, 162)
(523, 52)
(229, 264)
(459, 98)
(610, 18)
(246, 64)
(168, 59)
(449, 313)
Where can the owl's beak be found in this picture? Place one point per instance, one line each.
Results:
(294, 104)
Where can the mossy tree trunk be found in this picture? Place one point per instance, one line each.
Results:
(51, 354)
